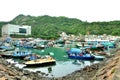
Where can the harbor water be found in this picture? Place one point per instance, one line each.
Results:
(63, 65)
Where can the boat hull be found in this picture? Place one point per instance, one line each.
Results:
(97, 57)
(15, 55)
(11, 56)
(40, 64)
(82, 57)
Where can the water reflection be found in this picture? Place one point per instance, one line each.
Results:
(84, 63)
(49, 69)
(78, 62)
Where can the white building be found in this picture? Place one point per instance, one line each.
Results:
(16, 29)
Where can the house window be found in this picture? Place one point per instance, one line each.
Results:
(22, 30)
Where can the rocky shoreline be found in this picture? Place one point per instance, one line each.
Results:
(10, 72)
(106, 70)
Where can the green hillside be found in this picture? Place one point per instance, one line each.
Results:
(49, 27)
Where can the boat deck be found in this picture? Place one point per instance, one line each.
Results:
(40, 62)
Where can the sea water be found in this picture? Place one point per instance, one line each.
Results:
(63, 65)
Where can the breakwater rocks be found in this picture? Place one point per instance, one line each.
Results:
(110, 71)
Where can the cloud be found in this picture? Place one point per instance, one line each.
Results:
(86, 10)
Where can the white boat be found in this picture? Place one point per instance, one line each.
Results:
(99, 57)
(45, 61)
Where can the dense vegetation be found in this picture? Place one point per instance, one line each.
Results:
(49, 27)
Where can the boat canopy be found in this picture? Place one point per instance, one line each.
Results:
(74, 50)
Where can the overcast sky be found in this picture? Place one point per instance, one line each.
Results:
(85, 10)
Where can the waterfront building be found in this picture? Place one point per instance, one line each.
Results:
(101, 38)
(9, 29)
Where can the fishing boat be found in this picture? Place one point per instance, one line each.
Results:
(6, 47)
(43, 61)
(99, 57)
(81, 57)
(39, 47)
(82, 44)
(16, 54)
(79, 54)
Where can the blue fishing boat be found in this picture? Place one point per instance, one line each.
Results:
(17, 54)
(75, 53)
(6, 48)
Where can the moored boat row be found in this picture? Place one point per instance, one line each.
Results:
(33, 60)
(75, 53)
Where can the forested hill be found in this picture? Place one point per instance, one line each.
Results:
(50, 27)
